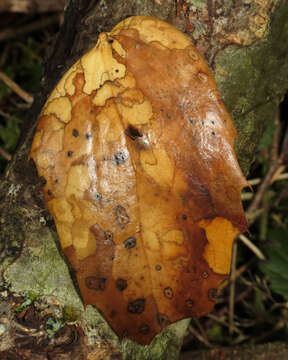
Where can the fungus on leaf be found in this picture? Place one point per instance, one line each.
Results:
(135, 150)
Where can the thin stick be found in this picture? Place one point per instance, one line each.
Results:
(252, 247)
(238, 273)
(265, 184)
(276, 135)
(283, 194)
(276, 163)
(6, 115)
(223, 322)
(5, 154)
(34, 26)
(202, 331)
(199, 336)
(16, 88)
(29, 6)
(279, 177)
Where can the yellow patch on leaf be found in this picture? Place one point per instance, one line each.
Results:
(220, 234)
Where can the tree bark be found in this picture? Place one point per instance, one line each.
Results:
(245, 44)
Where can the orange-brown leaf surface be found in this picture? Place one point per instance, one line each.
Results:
(135, 148)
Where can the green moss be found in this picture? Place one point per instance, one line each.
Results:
(41, 270)
(165, 346)
(254, 82)
(70, 314)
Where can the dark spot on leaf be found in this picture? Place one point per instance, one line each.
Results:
(168, 116)
(184, 217)
(88, 136)
(121, 215)
(43, 181)
(120, 157)
(130, 242)
(56, 181)
(108, 237)
(110, 41)
(75, 132)
(113, 313)
(212, 122)
(205, 275)
(191, 121)
(95, 282)
(132, 132)
(137, 306)
(69, 153)
(163, 320)
(168, 292)
(116, 70)
(212, 133)
(121, 284)
(144, 329)
(212, 294)
(49, 192)
(189, 303)
(202, 123)
(98, 196)
(158, 267)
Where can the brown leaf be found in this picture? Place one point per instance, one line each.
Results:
(136, 149)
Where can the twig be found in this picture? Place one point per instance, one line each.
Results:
(265, 184)
(34, 26)
(244, 294)
(284, 150)
(223, 322)
(232, 288)
(199, 336)
(252, 217)
(279, 174)
(16, 88)
(252, 247)
(31, 6)
(283, 194)
(238, 273)
(276, 163)
(279, 177)
(202, 331)
(276, 135)
(6, 115)
(246, 196)
(5, 154)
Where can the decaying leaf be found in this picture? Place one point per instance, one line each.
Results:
(135, 148)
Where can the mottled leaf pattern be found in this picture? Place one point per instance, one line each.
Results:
(135, 151)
